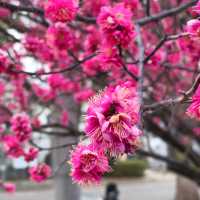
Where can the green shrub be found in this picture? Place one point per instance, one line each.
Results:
(128, 168)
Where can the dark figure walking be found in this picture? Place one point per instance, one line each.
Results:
(112, 192)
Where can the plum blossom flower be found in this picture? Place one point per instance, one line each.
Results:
(2, 88)
(31, 154)
(45, 94)
(4, 13)
(61, 10)
(21, 126)
(88, 164)
(32, 43)
(64, 118)
(40, 173)
(193, 27)
(83, 95)
(116, 25)
(9, 187)
(93, 7)
(12, 146)
(4, 62)
(59, 35)
(35, 121)
(111, 120)
(55, 81)
(197, 8)
(194, 109)
(109, 57)
(196, 131)
(134, 5)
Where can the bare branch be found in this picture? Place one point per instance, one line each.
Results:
(183, 98)
(166, 13)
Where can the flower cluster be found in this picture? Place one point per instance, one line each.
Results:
(111, 125)
(8, 186)
(60, 36)
(40, 173)
(21, 126)
(197, 8)
(15, 145)
(116, 24)
(12, 146)
(92, 7)
(61, 10)
(193, 27)
(4, 62)
(194, 109)
(4, 13)
(31, 154)
(112, 118)
(89, 164)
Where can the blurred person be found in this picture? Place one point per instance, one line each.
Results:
(112, 192)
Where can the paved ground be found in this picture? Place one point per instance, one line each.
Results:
(137, 190)
(129, 190)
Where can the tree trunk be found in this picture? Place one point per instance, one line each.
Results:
(186, 189)
(64, 188)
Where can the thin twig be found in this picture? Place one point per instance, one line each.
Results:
(183, 98)
(72, 67)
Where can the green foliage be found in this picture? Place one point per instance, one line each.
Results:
(128, 168)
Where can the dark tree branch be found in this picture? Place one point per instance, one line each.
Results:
(175, 166)
(15, 8)
(166, 13)
(141, 22)
(72, 67)
(52, 148)
(171, 140)
(183, 98)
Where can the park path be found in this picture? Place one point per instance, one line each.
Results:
(129, 190)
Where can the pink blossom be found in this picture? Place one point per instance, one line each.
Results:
(4, 63)
(93, 66)
(45, 94)
(4, 13)
(32, 43)
(64, 119)
(31, 154)
(19, 93)
(116, 25)
(93, 40)
(196, 131)
(12, 146)
(59, 35)
(193, 27)
(9, 187)
(2, 88)
(197, 8)
(21, 126)
(38, 47)
(84, 95)
(155, 6)
(56, 81)
(61, 10)
(35, 121)
(111, 119)
(88, 165)
(109, 57)
(93, 7)
(134, 5)
(69, 85)
(40, 173)
(194, 108)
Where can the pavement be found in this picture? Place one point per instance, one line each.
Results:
(154, 186)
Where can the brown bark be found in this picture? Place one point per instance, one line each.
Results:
(186, 189)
